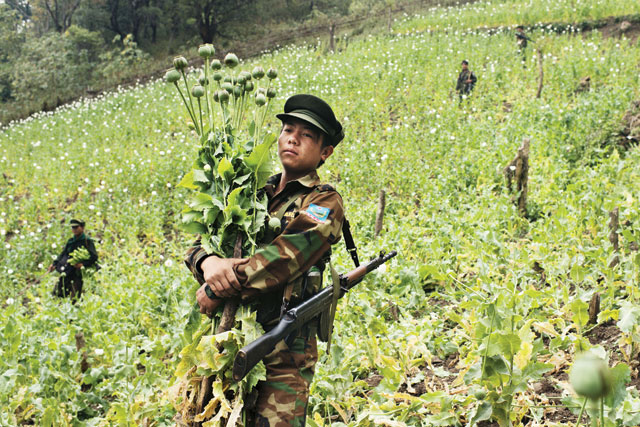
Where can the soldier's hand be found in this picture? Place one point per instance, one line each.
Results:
(50, 269)
(78, 266)
(207, 305)
(219, 274)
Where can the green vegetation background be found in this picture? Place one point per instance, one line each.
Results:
(114, 161)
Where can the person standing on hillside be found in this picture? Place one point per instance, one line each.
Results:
(286, 270)
(466, 80)
(70, 282)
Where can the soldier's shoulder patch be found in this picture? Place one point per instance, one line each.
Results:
(317, 213)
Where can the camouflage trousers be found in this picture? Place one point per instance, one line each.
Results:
(282, 398)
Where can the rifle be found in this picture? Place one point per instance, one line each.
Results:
(252, 353)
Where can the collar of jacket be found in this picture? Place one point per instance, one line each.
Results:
(310, 180)
(77, 239)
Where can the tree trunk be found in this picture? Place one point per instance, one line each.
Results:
(380, 212)
(540, 75)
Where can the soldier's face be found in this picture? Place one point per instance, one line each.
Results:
(77, 230)
(464, 66)
(300, 147)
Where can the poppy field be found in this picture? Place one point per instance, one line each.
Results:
(477, 321)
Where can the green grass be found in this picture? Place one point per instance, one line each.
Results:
(115, 161)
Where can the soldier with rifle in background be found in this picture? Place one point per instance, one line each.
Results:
(466, 81)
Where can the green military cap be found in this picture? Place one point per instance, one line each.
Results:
(314, 110)
(77, 222)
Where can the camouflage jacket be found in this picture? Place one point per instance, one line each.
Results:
(309, 227)
(462, 86)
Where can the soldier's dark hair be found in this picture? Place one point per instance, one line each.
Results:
(464, 61)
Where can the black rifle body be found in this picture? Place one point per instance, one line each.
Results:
(295, 318)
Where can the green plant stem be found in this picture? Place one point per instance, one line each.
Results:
(581, 411)
(186, 83)
(186, 105)
(208, 85)
(602, 411)
(486, 350)
(200, 110)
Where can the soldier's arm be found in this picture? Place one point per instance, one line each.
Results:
(302, 243)
(93, 255)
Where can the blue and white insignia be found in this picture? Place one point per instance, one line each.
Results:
(317, 213)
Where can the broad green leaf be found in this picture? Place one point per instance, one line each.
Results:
(482, 412)
(620, 376)
(194, 227)
(629, 315)
(225, 169)
(509, 344)
(580, 310)
(202, 201)
(259, 160)
(199, 176)
(187, 181)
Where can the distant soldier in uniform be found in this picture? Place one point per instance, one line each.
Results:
(522, 39)
(70, 283)
(278, 275)
(466, 80)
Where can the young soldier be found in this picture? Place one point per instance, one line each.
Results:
(70, 283)
(311, 216)
(466, 80)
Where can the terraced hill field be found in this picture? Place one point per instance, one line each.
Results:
(478, 319)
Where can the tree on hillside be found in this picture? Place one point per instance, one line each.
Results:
(57, 12)
(11, 38)
(211, 15)
(21, 6)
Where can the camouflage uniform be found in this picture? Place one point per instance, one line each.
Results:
(309, 227)
(462, 87)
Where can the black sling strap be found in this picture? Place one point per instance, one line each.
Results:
(349, 243)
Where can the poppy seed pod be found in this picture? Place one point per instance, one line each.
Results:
(216, 65)
(272, 73)
(216, 97)
(206, 50)
(197, 91)
(172, 76)
(237, 92)
(241, 79)
(274, 224)
(224, 96)
(246, 75)
(227, 86)
(217, 76)
(231, 60)
(590, 376)
(271, 92)
(180, 63)
(260, 100)
(258, 73)
(203, 80)
(248, 86)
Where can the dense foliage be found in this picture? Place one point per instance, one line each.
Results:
(479, 317)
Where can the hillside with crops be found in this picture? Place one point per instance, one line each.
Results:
(515, 212)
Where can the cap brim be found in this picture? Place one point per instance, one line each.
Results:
(303, 117)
